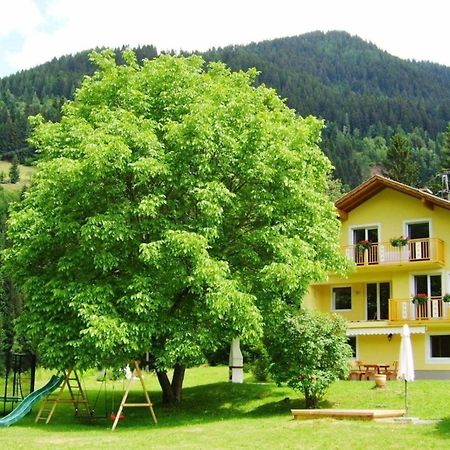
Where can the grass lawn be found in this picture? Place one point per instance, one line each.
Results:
(215, 414)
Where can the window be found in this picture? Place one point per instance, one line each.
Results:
(351, 340)
(428, 284)
(440, 346)
(418, 230)
(365, 234)
(342, 298)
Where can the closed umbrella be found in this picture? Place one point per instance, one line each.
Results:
(406, 362)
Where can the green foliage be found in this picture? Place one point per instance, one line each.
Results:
(309, 352)
(260, 366)
(10, 301)
(172, 207)
(400, 164)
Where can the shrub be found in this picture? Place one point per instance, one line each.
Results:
(309, 351)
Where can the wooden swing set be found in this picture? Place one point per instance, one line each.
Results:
(78, 398)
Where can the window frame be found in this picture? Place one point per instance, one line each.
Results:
(435, 359)
(428, 220)
(333, 298)
(365, 227)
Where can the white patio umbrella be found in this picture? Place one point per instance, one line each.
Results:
(406, 362)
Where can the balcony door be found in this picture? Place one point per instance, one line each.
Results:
(431, 285)
(369, 234)
(419, 245)
(377, 298)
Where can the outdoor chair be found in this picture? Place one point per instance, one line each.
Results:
(391, 372)
(357, 371)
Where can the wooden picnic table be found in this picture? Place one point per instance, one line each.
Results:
(372, 369)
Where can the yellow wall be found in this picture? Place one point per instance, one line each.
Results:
(377, 349)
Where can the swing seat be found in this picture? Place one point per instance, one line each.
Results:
(113, 416)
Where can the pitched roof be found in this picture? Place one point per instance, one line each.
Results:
(376, 184)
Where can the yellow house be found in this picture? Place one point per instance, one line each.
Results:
(399, 240)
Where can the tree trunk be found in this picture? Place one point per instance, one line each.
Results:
(168, 397)
(172, 390)
(177, 381)
(311, 401)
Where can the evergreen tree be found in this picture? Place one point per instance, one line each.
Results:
(446, 150)
(14, 173)
(399, 164)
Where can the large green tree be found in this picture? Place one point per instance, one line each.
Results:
(173, 205)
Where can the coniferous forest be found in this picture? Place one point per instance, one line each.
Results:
(365, 96)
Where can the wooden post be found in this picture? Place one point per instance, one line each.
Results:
(136, 374)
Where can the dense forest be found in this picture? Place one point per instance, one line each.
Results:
(364, 94)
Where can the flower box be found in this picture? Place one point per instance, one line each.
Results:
(398, 242)
(418, 299)
(363, 245)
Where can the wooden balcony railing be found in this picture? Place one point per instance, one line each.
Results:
(383, 253)
(434, 308)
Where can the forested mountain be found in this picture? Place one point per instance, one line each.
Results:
(348, 81)
(364, 94)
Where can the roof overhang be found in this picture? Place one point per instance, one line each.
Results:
(376, 184)
(387, 330)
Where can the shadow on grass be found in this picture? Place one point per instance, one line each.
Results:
(201, 404)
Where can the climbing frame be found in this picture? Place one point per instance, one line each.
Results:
(77, 397)
(137, 374)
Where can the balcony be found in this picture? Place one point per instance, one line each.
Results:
(434, 308)
(426, 250)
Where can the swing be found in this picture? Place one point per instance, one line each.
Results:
(113, 408)
(102, 386)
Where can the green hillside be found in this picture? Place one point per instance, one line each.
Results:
(364, 94)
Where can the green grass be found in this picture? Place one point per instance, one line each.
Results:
(25, 173)
(215, 414)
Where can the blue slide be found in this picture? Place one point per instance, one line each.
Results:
(27, 403)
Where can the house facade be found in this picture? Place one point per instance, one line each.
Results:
(398, 238)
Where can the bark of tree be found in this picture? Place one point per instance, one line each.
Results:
(172, 390)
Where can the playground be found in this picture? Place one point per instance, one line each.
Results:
(217, 414)
(66, 387)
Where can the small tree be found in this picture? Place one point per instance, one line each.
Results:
(14, 173)
(309, 351)
(400, 164)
